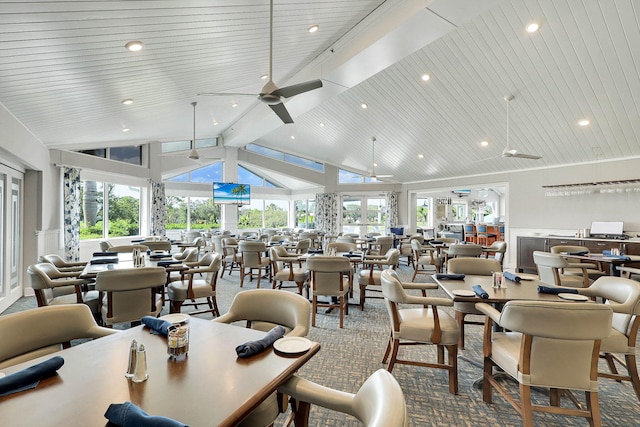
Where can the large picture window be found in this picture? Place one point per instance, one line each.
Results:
(363, 215)
(109, 210)
(264, 214)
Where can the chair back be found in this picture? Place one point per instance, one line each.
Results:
(548, 265)
(384, 243)
(229, 245)
(275, 238)
(346, 239)
(303, 245)
(392, 290)
(216, 241)
(623, 295)
(391, 257)
(252, 253)
(130, 293)
(210, 263)
(105, 245)
(128, 248)
(41, 283)
(499, 248)
(563, 341)
(328, 274)
(187, 255)
(468, 250)
(29, 334)
(449, 240)
(474, 266)
(567, 248)
(158, 245)
(54, 259)
(265, 308)
(337, 247)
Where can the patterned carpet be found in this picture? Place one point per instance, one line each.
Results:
(348, 356)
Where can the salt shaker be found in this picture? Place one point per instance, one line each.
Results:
(141, 373)
(133, 353)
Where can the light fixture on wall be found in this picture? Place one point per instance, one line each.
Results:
(444, 200)
(587, 188)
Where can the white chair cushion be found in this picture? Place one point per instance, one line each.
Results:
(416, 324)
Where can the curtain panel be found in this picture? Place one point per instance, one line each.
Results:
(158, 211)
(327, 213)
(392, 209)
(71, 194)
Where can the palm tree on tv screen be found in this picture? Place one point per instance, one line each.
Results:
(239, 191)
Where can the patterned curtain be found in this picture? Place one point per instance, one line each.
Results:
(71, 213)
(327, 213)
(392, 209)
(158, 212)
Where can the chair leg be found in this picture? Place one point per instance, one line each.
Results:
(594, 409)
(486, 383)
(460, 320)
(394, 354)
(452, 352)
(440, 353)
(388, 349)
(314, 309)
(632, 368)
(362, 296)
(415, 272)
(241, 276)
(526, 409)
(610, 362)
(342, 309)
(175, 306)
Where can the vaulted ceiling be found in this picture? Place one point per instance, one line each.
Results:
(64, 71)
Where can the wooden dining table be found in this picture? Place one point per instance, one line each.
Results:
(210, 387)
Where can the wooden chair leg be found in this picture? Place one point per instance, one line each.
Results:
(526, 409)
(452, 352)
(388, 350)
(175, 306)
(394, 354)
(594, 409)
(460, 320)
(486, 383)
(632, 368)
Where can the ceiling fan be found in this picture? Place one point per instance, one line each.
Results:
(373, 161)
(511, 152)
(193, 153)
(270, 93)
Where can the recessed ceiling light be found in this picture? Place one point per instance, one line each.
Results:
(484, 143)
(125, 130)
(313, 28)
(321, 124)
(426, 77)
(127, 101)
(363, 105)
(234, 105)
(421, 156)
(533, 27)
(264, 77)
(584, 122)
(215, 123)
(134, 46)
(293, 137)
(375, 165)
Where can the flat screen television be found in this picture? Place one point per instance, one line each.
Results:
(227, 193)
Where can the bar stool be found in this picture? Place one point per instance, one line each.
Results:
(470, 233)
(482, 237)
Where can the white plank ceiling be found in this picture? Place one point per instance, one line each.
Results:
(64, 72)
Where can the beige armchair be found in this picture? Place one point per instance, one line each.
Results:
(232, 258)
(549, 270)
(425, 259)
(425, 325)
(476, 267)
(623, 296)
(158, 245)
(283, 269)
(346, 239)
(340, 247)
(53, 287)
(497, 251)
(262, 309)
(128, 248)
(404, 246)
(369, 278)
(549, 344)
(302, 247)
(29, 334)
(381, 245)
(63, 265)
(576, 266)
(378, 403)
(330, 277)
(312, 237)
(252, 257)
(128, 294)
(191, 288)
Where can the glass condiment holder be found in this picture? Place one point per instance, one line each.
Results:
(178, 341)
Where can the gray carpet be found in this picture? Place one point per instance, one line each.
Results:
(348, 356)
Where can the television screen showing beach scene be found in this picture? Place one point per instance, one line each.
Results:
(231, 194)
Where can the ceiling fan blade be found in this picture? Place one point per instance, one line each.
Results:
(289, 91)
(282, 112)
(226, 94)
(382, 176)
(526, 156)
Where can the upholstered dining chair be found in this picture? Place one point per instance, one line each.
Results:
(312, 237)
(381, 245)
(63, 265)
(33, 333)
(187, 256)
(545, 344)
(475, 267)
(301, 247)
(105, 245)
(549, 270)
(52, 287)
(425, 258)
(369, 276)
(623, 296)
(189, 287)
(406, 251)
(458, 250)
(128, 248)
(497, 251)
(340, 247)
(285, 267)
(577, 266)
(330, 276)
(252, 258)
(346, 239)
(128, 294)
(379, 402)
(158, 245)
(262, 309)
(232, 258)
(428, 324)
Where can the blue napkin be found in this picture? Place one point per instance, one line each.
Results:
(556, 290)
(608, 253)
(158, 326)
(159, 256)
(105, 254)
(104, 261)
(129, 415)
(29, 378)
(168, 263)
(480, 292)
(442, 276)
(352, 255)
(512, 276)
(436, 242)
(315, 251)
(250, 348)
(578, 253)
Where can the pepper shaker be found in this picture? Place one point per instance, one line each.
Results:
(133, 350)
(141, 373)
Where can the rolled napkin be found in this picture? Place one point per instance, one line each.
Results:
(480, 292)
(158, 326)
(352, 255)
(29, 378)
(315, 251)
(105, 254)
(578, 253)
(608, 254)
(250, 348)
(159, 256)
(109, 260)
(129, 415)
(436, 242)
(511, 276)
(442, 276)
(168, 263)
(556, 290)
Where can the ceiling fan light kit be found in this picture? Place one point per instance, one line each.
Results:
(270, 93)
